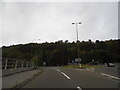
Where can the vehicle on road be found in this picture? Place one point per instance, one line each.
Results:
(110, 64)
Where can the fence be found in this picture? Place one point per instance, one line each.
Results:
(11, 66)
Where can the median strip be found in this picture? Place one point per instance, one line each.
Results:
(65, 75)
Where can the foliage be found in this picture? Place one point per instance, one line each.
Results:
(62, 53)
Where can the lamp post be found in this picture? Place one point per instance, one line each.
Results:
(77, 42)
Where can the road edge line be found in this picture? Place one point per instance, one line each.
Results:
(107, 75)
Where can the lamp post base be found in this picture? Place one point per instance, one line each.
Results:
(80, 65)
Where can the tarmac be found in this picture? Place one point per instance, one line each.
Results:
(16, 80)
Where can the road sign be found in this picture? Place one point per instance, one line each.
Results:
(77, 59)
(44, 63)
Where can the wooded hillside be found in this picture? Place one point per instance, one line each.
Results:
(60, 53)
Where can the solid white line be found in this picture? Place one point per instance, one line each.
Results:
(79, 88)
(58, 70)
(65, 75)
(110, 76)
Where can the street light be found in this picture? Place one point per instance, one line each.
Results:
(77, 41)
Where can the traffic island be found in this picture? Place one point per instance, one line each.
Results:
(83, 66)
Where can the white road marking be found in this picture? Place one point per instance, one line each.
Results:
(90, 69)
(82, 69)
(110, 76)
(58, 70)
(79, 88)
(65, 75)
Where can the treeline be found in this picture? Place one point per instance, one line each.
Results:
(62, 53)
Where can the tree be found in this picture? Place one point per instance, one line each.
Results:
(60, 53)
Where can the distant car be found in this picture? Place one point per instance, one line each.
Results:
(110, 65)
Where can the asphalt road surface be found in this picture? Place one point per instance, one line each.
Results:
(58, 77)
(109, 70)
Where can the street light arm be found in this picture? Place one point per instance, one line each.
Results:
(77, 23)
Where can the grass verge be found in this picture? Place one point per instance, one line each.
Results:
(82, 66)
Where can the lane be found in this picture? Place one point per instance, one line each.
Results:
(50, 78)
(88, 79)
(114, 71)
(58, 77)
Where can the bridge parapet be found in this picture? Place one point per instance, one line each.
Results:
(12, 66)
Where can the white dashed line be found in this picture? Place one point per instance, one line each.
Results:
(65, 75)
(90, 69)
(58, 70)
(79, 88)
(110, 76)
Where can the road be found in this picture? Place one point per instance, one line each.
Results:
(58, 77)
(109, 70)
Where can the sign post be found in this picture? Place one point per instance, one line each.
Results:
(78, 60)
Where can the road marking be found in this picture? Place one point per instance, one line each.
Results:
(80, 69)
(90, 69)
(65, 75)
(110, 76)
(79, 88)
(58, 70)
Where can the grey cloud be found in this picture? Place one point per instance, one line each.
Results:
(25, 21)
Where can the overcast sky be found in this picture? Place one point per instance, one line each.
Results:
(24, 22)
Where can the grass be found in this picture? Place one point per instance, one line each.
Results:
(83, 66)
